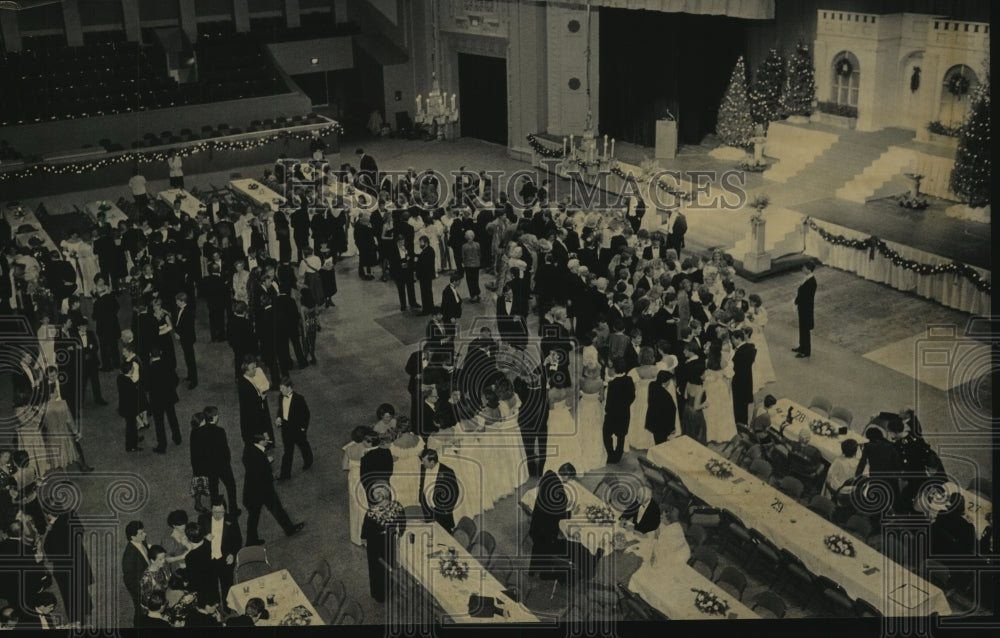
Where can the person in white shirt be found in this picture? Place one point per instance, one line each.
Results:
(843, 467)
(175, 165)
(137, 184)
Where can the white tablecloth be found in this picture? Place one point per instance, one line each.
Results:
(27, 217)
(869, 575)
(190, 205)
(112, 214)
(668, 587)
(287, 595)
(262, 195)
(421, 560)
(954, 292)
(802, 417)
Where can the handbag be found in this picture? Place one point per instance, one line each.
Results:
(483, 606)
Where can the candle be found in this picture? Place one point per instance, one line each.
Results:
(565, 147)
(612, 147)
(572, 149)
(605, 146)
(452, 101)
(418, 105)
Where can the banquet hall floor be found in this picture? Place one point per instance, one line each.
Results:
(361, 365)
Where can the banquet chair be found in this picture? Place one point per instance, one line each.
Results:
(771, 602)
(838, 603)
(842, 416)
(707, 557)
(467, 527)
(860, 527)
(250, 571)
(734, 578)
(791, 486)
(823, 506)
(333, 596)
(251, 554)
(696, 535)
(761, 469)
(652, 474)
(777, 456)
(487, 544)
(748, 439)
(350, 614)
(864, 609)
(821, 405)
(735, 535)
(735, 448)
(796, 578)
(317, 581)
(766, 556)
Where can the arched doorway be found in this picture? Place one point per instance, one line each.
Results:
(957, 87)
(914, 90)
(845, 81)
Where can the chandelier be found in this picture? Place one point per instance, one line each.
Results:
(438, 113)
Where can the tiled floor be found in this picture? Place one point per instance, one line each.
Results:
(361, 365)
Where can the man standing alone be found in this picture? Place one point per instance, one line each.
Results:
(804, 299)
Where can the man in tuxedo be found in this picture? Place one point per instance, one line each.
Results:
(533, 419)
(424, 425)
(804, 300)
(259, 492)
(210, 456)
(293, 419)
(60, 275)
(65, 550)
(198, 564)
(644, 512)
(426, 273)
(678, 228)
(661, 414)
(241, 336)
(288, 321)
(213, 289)
(551, 506)
(744, 355)
(617, 406)
(300, 225)
(135, 560)
(401, 267)
(510, 326)
(109, 330)
(438, 490)
(162, 386)
(184, 332)
(90, 362)
(883, 462)
(451, 304)
(367, 172)
(222, 531)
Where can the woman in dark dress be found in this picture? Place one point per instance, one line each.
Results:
(328, 274)
(693, 417)
(338, 232)
(384, 523)
(364, 239)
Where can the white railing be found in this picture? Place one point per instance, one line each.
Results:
(847, 16)
(971, 28)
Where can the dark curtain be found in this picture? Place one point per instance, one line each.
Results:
(652, 61)
(482, 85)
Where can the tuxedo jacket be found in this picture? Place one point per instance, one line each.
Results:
(444, 494)
(425, 265)
(105, 316)
(298, 412)
(550, 507)
(661, 414)
(210, 455)
(401, 268)
(184, 324)
(133, 565)
(241, 336)
(131, 397)
(451, 303)
(620, 395)
(258, 482)
(804, 300)
(254, 414)
(650, 518)
(232, 537)
(162, 384)
(509, 322)
(201, 571)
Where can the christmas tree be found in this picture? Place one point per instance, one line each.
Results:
(734, 125)
(800, 86)
(970, 179)
(765, 92)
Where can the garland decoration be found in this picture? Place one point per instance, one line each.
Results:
(451, 568)
(844, 68)
(663, 186)
(600, 515)
(541, 150)
(958, 85)
(874, 244)
(708, 603)
(161, 156)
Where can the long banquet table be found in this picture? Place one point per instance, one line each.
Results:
(112, 214)
(869, 575)
(828, 446)
(258, 193)
(672, 586)
(20, 215)
(420, 550)
(288, 596)
(190, 205)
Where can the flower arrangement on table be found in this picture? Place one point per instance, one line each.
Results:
(839, 544)
(388, 513)
(104, 207)
(451, 568)
(719, 469)
(823, 428)
(600, 515)
(708, 603)
(299, 616)
(252, 187)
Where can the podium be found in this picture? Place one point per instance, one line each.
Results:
(666, 139)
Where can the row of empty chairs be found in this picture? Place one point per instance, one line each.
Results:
(838, 415)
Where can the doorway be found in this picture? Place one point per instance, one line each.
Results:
(482, 82)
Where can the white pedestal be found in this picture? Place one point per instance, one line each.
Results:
(666, 139)
(758, 259)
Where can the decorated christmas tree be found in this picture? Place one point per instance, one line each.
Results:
(765, 92)
(800, 85)
(735, 126)
(970, 179)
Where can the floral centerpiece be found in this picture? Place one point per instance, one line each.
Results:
(708, 603)
(252, 186)
(719, 469)
(839, 544)
(104, 207)
(388, 513)
(600, 515)
(299, 616)
(823, 428)
(758, 204)
(451, 568)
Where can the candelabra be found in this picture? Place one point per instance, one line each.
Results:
(584, 154)
(437, 114)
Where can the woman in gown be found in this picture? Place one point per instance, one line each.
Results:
(563, 441)
(639, 438)
(385, 418)
(60, 429)
(81, 255)
(157, 576)
(165, 338)
(384, 523)
(693, 419)
(328, 275)
(309, 273)
(720, 423)
(357, 504)
(763, 369)
(590, 419)
(405, 479)
(177, 544)
(459, 451)
(47, 335)
(501, 431)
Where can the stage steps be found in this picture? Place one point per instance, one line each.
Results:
(782, 235)
(879, 178)
(795, 147)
